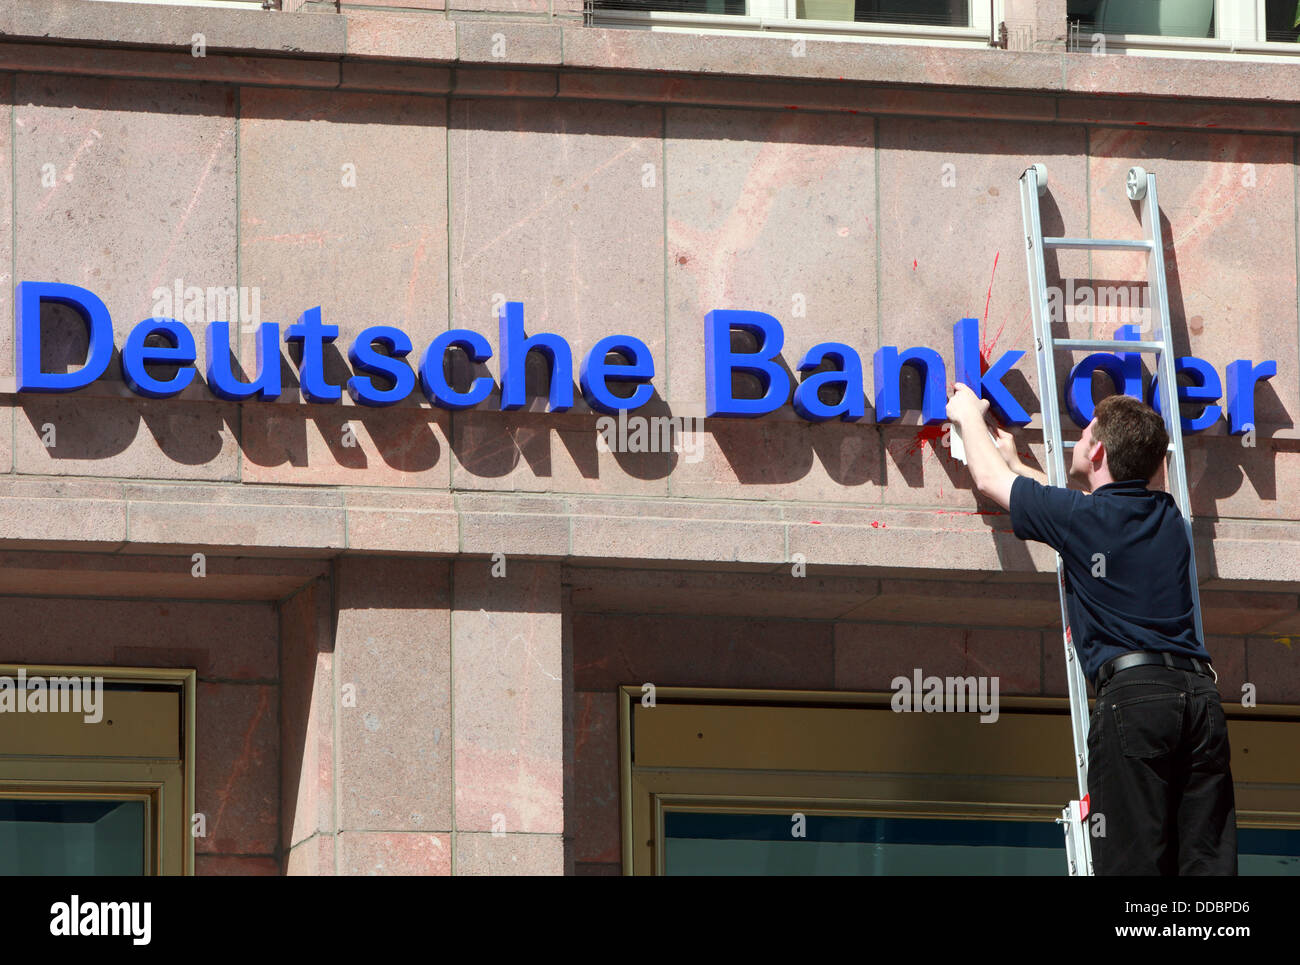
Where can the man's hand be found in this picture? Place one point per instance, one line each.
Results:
(1007, 449)
(965, 408)
(987, 463)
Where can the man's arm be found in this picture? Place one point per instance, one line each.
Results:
(993, 477)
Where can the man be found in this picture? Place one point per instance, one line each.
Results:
(1159, 782)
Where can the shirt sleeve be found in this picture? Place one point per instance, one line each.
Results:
(1042, 513)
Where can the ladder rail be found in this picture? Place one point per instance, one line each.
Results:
(1078, 846)
(1157, 286)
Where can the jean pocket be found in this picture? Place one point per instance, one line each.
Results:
(1152, 725)
(1213, 747)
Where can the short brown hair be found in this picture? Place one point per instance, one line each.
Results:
(1134, 436)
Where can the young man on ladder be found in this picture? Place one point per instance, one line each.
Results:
(1159, 782)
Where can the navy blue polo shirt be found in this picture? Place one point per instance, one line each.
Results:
(1133, 538)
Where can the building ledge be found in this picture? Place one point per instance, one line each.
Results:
(413, 38)
(233, 519)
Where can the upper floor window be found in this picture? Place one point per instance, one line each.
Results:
(237, 4)
(916, 21)
(933, 13)
(1173, 26)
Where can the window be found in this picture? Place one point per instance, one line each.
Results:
(909, 21)
(933, 13)
(1226, 27)
(96, 771)
(762, 843)
(74, 836)
(1160, 18)
(1281, 21)
(801, 782)
(240, 4)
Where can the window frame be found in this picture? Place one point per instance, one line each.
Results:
(824, 779)
(166, 784)
(776, 18)
(227, 4)
(1232, 18)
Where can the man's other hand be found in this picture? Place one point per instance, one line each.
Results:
(1007, 448)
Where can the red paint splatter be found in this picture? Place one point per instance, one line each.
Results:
(877, 524)
(815, 522)
(986, 348)
(925, 434)
(1211, 125)
(989, 295)
(1140, 123)
(913, 264)
(682, 259)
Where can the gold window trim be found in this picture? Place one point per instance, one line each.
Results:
(155, 774)
(816, 752)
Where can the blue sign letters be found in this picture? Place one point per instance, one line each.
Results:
(380, 352)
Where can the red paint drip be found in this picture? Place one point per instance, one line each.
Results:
(926, 434)
(913, 264)
(986, 348)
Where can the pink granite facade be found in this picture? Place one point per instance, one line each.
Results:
(415, 619)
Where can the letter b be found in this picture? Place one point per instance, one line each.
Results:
(720, 361)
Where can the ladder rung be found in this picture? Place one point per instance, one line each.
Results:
(1107, 345)
(1098, 244)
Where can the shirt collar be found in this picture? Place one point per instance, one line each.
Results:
(1126, 485)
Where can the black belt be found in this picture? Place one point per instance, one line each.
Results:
(1127, 661)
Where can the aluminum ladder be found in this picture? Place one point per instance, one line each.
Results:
(1141, 186)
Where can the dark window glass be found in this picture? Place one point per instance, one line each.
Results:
(1282, 21)
(728, 7)
(71, 837)
(934, 13)
(1152, 18)
(772, 844)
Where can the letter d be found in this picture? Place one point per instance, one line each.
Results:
(27, 336)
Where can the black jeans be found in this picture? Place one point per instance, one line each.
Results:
(1159, 776)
